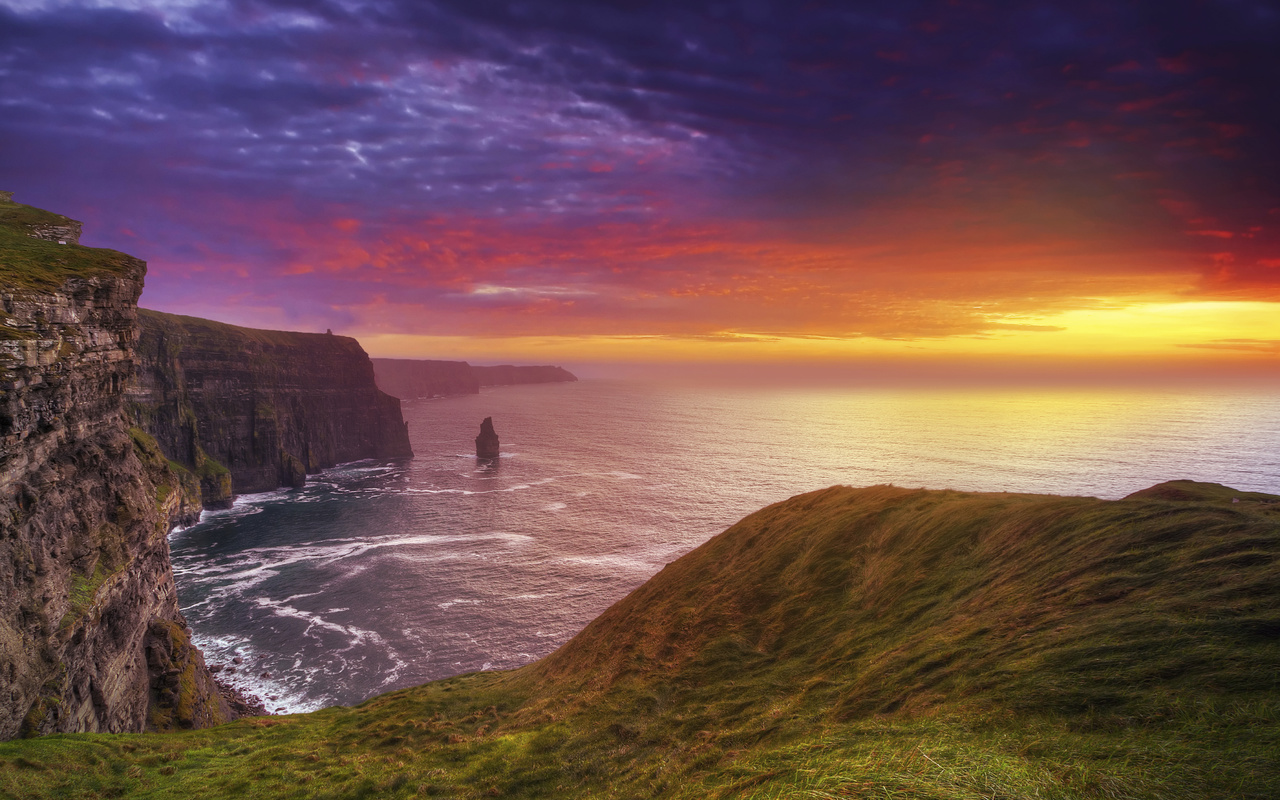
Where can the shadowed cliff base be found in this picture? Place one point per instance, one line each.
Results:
(843, 643)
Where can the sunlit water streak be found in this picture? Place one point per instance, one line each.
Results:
(377, 576)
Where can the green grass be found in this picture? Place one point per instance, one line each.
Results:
(871, 642)
(29, 265)
(83, 591)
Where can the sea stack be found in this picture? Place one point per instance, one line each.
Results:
(487, 441)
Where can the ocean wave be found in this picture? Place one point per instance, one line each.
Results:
(356, 636)
(281, 695)
(257, 564)
(290, 689)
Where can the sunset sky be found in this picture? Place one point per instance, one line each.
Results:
(1072, 185)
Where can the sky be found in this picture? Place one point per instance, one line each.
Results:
(1034, 187)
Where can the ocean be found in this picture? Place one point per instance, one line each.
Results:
(381, 575)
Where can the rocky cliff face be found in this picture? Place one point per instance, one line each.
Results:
(412, 378)
(250, 410)
(91, 638)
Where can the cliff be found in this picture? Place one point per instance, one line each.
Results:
(412, 378)
(408, 378)
(508, 375)
(91, 638)
(250, 410)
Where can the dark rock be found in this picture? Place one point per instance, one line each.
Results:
(487, 441)
(292, 473)
(185, 695)
(242, 705)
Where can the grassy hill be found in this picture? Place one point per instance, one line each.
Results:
(876, 642)
(31, 265)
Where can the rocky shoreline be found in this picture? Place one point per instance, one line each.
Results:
(241, 704)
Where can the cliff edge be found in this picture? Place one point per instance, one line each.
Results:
(91, 638)
(251, 410)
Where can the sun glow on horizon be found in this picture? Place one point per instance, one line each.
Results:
(1243, 332)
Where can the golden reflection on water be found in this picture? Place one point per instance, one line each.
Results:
(1106, 443)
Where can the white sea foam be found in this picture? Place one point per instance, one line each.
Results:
(355, 636)
(459, 602)
(294, 695)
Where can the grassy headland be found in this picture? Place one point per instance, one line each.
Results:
(876, 642)
(29, 264)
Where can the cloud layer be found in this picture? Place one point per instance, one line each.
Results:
(886, 170)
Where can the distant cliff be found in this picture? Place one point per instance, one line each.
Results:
(91, 638)
(250, 410)
(412, 378)
(507, 375)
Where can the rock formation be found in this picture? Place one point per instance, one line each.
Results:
(409, 378)
(91, 638)
(487, 441)
(250, 410)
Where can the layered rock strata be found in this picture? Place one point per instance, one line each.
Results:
(91, 638)
(250, 410)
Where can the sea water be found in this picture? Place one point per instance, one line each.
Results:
(380, 575)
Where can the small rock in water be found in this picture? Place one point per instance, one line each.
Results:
(237, 660)
(487, 441)
(265, 675)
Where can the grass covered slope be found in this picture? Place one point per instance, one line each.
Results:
(875, 642)
(29, 264)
